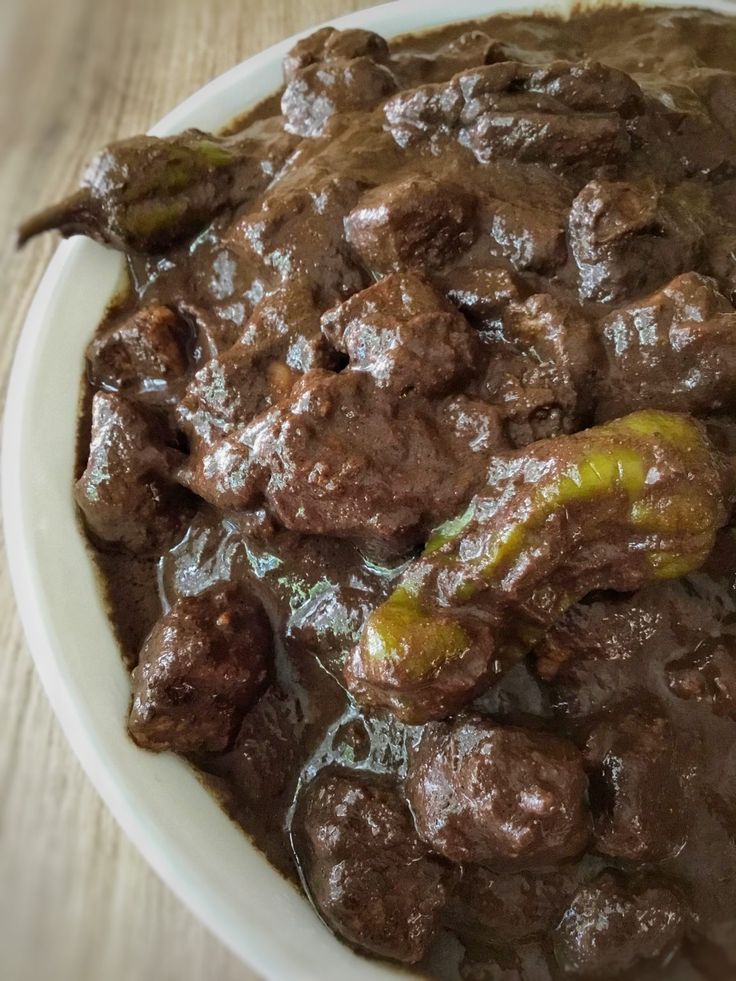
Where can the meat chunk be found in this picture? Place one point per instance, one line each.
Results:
(299, 236)
(203, 665)
(612, 926)
(266, 751)
(287, 320)
(531, 238)
(700, 120)
(544, 136)
(562, 113)
(317, 92)
(126, 493)
(328, 44)
(416, 221)
(637, 799)
(405, 335)
(307, 51)
(370, 876)
(499, 907)
(544, 388)
(343, 457)
(616, 507)
(674, 349)
(231, 389)
(144, 353)
(707, 675)
(482, 294)
(356, 43)
(626, 236)
(498, 795)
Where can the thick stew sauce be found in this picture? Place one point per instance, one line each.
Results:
(408, 463)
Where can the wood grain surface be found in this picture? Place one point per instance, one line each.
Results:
(77, 903)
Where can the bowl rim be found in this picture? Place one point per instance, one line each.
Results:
(257, 939)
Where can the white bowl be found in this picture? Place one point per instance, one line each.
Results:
(175, 823)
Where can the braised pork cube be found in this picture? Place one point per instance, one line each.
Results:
(501, 796)
(545, 388)
(370, 876)
(203, 665)
(500, 120)
(342, 457)
(420, 222)
(356, 43)
(231, 389)
(298, 235)
(316, 93)
(531, 238)
(616, 507)
(126, 492)
(146, 352)
(503, 907)
(613, 926)
(707, 675)
(287, 320)
(328, 44)
(637, 797)
(674, 349)
(565, 113)
(482, 294)
(407, 336)
(628, 236)
(307, 51)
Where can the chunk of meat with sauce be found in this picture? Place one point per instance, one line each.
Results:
(637, 795)
(345, 458)
(407, 336)
(299, 236)
(370, 876)
(318, 92)
(530, 237)
(616, 507)
(147, 352)
(203, 665)
(543, 388)
(627, 236)
(231, 389)
(281, 340)
(676, 349)
(699, 116)
(562, 113)
(613, 926)
(416, 222)
(268, 745)
(505, 797)
(707, 675)
(287, 320)
(328, 44)
(126, 493)
(508, 907)
(481, 293)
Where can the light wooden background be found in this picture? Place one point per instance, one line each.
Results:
(77, 903)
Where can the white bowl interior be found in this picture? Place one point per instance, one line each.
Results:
(158, 800)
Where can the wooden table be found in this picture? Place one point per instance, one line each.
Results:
(77, 903)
